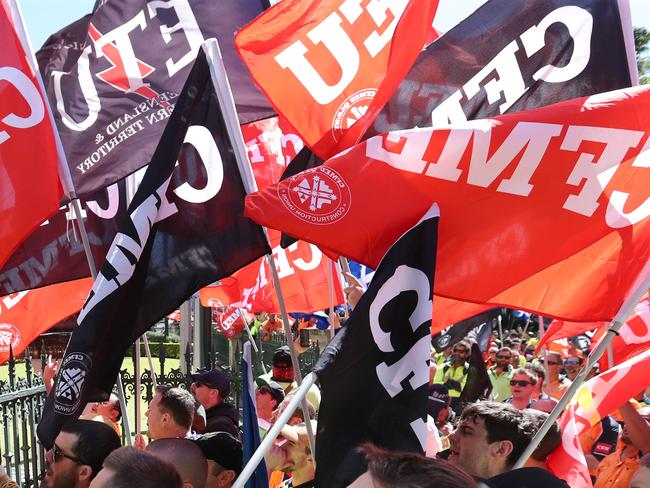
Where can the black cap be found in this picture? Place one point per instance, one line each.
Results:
(216, 379)
(282, 357)
(276, 390)
(223, 449)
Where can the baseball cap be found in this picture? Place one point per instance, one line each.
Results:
(276, 390)
(223, 449)
(438, 399)
(215, 378)
(282, 356)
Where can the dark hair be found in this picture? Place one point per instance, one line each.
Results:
(538, 370)
(505, 349)
(179, 403)
(503, 422)
(115, 403)
(410, 470)
(95, 441)
(463, 343)
(551, 441)
(134, 467)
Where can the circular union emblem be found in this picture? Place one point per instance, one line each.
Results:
(352, 109)
(69, 382)
(443, 342)
(9, 336)
(318, 196)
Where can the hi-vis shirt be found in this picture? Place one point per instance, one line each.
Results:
(453, 377)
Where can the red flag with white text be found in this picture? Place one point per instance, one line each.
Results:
(544, 210)
(329, 66)
(30, 190)
(303, 272)
(562, 329)
(27, 314)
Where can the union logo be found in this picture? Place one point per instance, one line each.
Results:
(69, 383)
(351, 110)
(318, 196)
(9, 336)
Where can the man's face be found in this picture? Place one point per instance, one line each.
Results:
(61, 472)
(107, 409)
(265, 402)
(459, 354)
(206, 396)
(554, 364)
(521, 386)
(641, 479)
(514, 359)
(470, 448)
(154, 416)
(572, 364)
(503, 358)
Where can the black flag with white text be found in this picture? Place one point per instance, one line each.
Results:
(374, 375)
(185, 228)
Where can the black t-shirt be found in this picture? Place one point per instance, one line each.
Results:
(526, 478)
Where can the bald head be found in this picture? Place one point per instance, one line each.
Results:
(185, 456)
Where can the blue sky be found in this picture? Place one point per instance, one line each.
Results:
(43, 17)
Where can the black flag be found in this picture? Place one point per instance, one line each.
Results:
(185, 228)
(459, 331)
(478, 384)
(113, 78)
(374, 375)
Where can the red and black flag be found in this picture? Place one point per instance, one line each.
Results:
(374, 375)
(185, 229)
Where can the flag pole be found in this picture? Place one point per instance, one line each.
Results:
(547, 380)
(227, 104)
(642, 285)
(147, 351)
(330, 286)
(64, 176)
(273, 433)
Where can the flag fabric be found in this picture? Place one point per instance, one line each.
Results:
(514, 56)
(329, 66)
(573, 171)
(231, 322)
(459, 331)
(251, 431)
(185, 229)
(303, 272)
(30, 189)
(26, 315)
(478, 385)
(563, 329)
(363, 371)
(595, 399)
(114, 77)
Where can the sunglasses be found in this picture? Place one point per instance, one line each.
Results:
(554, 363)
(461, 351)
(503, 357)
(575, 363)
(57, 454)
(520, 383)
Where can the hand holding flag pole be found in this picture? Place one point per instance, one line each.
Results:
(642, 286)
(224, 94)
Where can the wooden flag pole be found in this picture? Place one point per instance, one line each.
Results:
(227, 104)
(66, 180)
(642, 285)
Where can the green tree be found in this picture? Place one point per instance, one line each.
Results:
(641, 45)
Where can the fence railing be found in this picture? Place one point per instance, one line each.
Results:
(22, 397)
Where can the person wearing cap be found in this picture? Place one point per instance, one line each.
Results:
(438, 409)
(284, 375)
(225, 458)
(211, 389)
(267, 398)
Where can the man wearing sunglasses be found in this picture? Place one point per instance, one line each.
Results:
(78, 453)
(500, 375)
(557, 384)
(211, 390)
(453, 374)
(522, 386)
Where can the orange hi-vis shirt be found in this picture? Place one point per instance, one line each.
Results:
(615, 472)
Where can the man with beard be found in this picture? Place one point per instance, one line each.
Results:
(78, 453)
(500, 375)
(453, 374)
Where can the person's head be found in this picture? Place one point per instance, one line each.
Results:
(493, 353)
(555, 363)
(185, 456)
(489, 438)
(538, 369)
(291, 453)
(394, 469)
(78, 453)
(641, 478)
(210, 388)
(170, 413)
(644, 412)
(438, 403)
(225, 458)
(545, 405)
(110, 408)
(549, 443)
(503, 357)
(282, 365)
(267, 398)
(460, 352)
(522, 383)
(514, 358)
(127, 467)
(297, 417)
(572, 364)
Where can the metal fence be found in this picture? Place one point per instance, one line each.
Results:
(22, 398)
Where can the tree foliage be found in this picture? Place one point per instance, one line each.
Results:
(641, 45)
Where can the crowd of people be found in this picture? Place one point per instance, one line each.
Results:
(194, 438)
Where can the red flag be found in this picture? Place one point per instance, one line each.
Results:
(562, 329)
(544, 210)
(30, 190)
(303, 277)
(329, 66)
(27, 314)
(271, 144)
(231, 321)
(595, 399)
